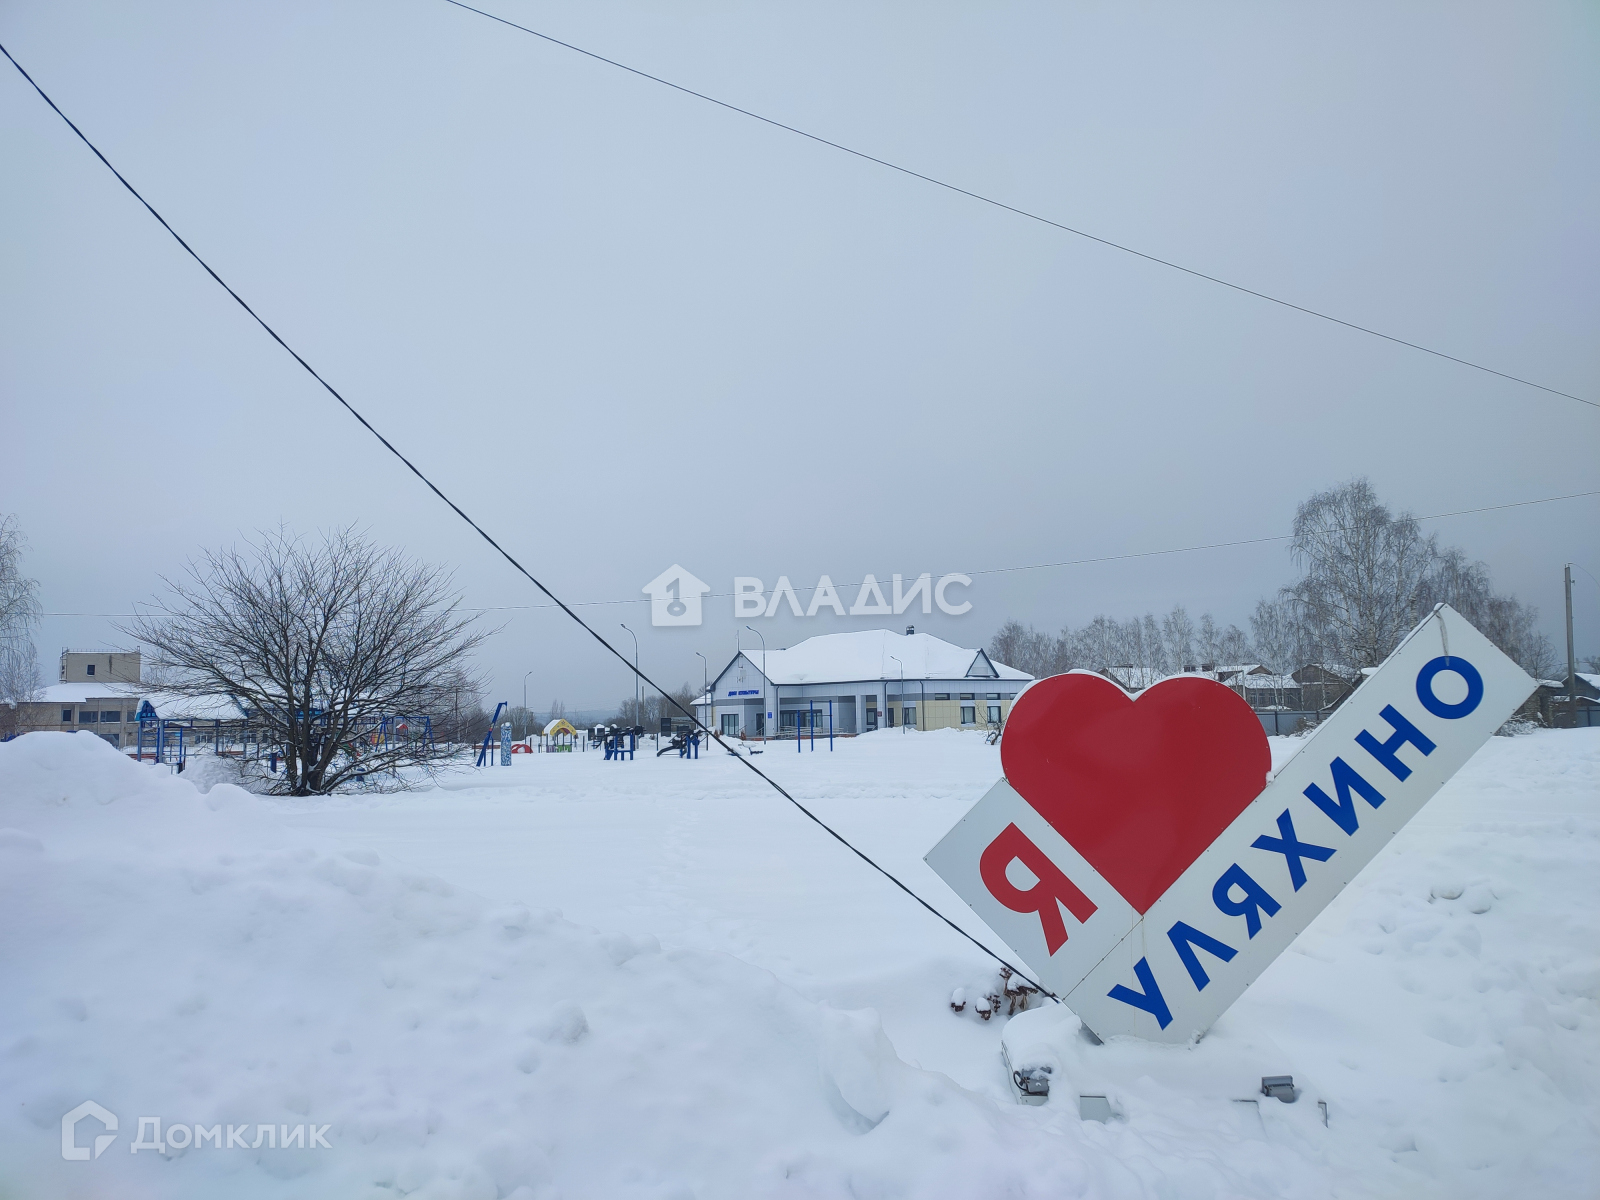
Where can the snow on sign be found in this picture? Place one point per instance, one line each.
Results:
(1141, 857)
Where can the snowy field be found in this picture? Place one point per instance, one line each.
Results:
(573, 978)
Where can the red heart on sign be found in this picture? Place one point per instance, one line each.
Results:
(1138, 786)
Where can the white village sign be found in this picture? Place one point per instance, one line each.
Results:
(1133, 858)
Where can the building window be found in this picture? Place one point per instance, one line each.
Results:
(909, 716)
(114, 738)
(112, 717)
(872, 718)
(89, 670)
(86, 716)
(66, 716)
(969, 714)
(994, 714)
(730, 724)
(889, 723)
(1008, 695)
(966, 695)
(992, 696)
(941, 695)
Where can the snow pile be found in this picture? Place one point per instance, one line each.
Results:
(177, 955)
(213, 960)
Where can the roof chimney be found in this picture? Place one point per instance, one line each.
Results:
(910, 629)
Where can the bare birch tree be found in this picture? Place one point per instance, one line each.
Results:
(1273, 637)
(19, 613)
(321, 645)
(1506, 621)
(1177, 632)
(1365, 569)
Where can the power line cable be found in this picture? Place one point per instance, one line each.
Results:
(1022, 212)
(1071, 562)
(1105, 558)
(505, 554)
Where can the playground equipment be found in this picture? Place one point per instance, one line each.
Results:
(619, 740)
(686, 743)
(559, 737)
(813, 713)
(488, 738)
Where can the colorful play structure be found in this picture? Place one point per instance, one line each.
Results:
(559, 737)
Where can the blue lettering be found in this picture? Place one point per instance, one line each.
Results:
(1251, 905)
(1388, 753)
(1450, 712)
(1345, 778)
(1185, 938)
(1292, 849)
(1150, 1000)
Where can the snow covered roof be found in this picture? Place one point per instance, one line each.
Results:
(83, 693)
(170, 706)
(870, 655)
(1264, 681)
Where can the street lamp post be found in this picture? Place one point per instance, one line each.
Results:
(635, 638)
(765, 717)
(902, 694)
(705, 687)
(525, 703)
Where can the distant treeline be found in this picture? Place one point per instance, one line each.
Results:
(1367, 576)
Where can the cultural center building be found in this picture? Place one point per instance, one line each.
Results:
(861, 681)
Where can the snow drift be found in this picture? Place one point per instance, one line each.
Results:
(192, 957)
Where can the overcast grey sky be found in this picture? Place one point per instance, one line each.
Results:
(626, 329)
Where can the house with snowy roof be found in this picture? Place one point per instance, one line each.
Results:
(102, 692)
(859, 682)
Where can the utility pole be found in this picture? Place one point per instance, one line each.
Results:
(705, 690)
(764, 711)
(1572, 663)
(635, 638)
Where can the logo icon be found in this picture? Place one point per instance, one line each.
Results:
(70, 1149)
(675, 597)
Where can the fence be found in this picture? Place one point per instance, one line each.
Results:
(1277, 721)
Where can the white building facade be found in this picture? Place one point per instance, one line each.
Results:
(858, 682)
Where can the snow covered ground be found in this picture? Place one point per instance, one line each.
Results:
(656, 979)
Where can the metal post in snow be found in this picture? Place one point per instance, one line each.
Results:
(1572, 665)
(635, 638)
(705, 687)
(776, 709)
(811, 723)
(830, 726)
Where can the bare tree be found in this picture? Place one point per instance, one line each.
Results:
(1365, 569)
(1206, 642)
(1010, 644)
(1233, 648)
(1506, 621)
(322, 645)
(1177, 633)
(651, 709)
(1027, 649)
(1272, 632)
(19, 613)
